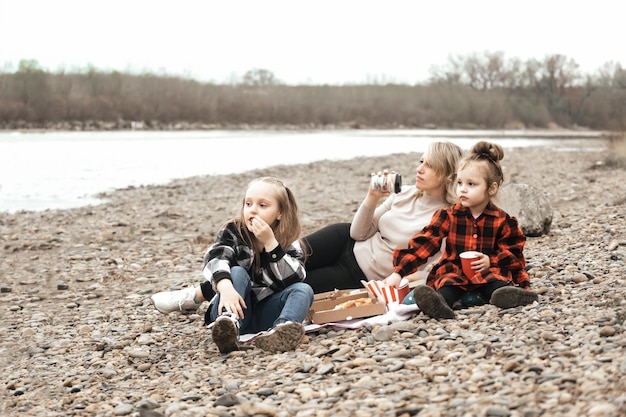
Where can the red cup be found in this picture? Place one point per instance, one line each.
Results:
(466, 262)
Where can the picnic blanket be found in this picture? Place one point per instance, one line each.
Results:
(395, 312)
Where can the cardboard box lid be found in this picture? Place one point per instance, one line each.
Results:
(322, 310)
(332, 295)
(328, 316)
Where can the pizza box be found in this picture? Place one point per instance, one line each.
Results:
(345, 294)
(323, 308)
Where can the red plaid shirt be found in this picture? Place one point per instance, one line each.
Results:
(493, 233)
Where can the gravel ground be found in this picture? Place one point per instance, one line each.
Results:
(80, 337)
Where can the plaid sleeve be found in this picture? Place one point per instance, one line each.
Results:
(423, 245)
(509, 252)
(284, 267)
(221, 255)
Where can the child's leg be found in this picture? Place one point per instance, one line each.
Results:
(451, 294)
(432, 303)
(285, 311)
(291, 304)
(487, 289)
(225, 328)
(207, 291)
(243, 285)
(509, 296)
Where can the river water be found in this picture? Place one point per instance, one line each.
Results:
(57, 170)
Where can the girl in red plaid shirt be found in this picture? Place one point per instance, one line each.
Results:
(474, 223)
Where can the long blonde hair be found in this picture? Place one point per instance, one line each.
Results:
(444, 158)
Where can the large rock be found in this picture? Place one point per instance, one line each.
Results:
(531, 207)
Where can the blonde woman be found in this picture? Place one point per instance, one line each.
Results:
(341, 255)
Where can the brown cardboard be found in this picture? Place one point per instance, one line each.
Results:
(322, 310)
(331, 295)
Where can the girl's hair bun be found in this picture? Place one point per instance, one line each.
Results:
(488, 150)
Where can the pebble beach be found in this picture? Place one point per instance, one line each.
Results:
(79, 336)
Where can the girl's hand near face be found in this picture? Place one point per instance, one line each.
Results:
(264, 233)
(230, 300)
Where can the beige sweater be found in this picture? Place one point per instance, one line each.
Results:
(378, 232)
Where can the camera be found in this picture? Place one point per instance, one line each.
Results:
(387, 181)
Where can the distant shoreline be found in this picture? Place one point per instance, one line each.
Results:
(552, 132)
(113, 160)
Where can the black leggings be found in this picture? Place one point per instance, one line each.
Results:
(331, 263)
(207, 290)
(452, 293)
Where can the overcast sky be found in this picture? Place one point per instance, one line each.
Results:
(321, 41)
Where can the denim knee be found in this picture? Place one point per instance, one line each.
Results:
(306, 290)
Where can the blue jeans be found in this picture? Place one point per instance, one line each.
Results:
(291, 304)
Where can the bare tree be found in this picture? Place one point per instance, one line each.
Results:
(451, 73)
(559, 72)
(487, 71)
(260, 78)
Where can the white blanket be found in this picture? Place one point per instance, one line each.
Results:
(395, 312)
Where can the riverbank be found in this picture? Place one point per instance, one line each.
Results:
(81, 338)
(157, 126)
(62, 170)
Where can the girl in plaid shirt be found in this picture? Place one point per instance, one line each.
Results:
(255, 273)
(474, 223)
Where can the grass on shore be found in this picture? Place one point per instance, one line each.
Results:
(617, 156)
(616, 159)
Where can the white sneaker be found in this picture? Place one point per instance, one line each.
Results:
(181, 300)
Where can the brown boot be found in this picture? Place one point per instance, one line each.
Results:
(509, 297)
(432, 303)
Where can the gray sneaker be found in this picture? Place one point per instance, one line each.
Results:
(509, 297)
(286, 336)
(180, 300)
(225, 333)
(432, 303)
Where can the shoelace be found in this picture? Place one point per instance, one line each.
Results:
(231, 316)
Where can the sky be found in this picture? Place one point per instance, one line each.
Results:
(303, 42)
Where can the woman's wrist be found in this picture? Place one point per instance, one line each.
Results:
(370, 201)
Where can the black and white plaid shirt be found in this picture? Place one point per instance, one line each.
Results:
(279, 268)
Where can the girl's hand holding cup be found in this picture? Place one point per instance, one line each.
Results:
(473, 262)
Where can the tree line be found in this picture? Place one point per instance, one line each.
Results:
(486, 91)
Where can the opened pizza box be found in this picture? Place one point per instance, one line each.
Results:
(323, 308)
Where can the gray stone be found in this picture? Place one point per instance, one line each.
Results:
(529, 205)
(228, 400)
